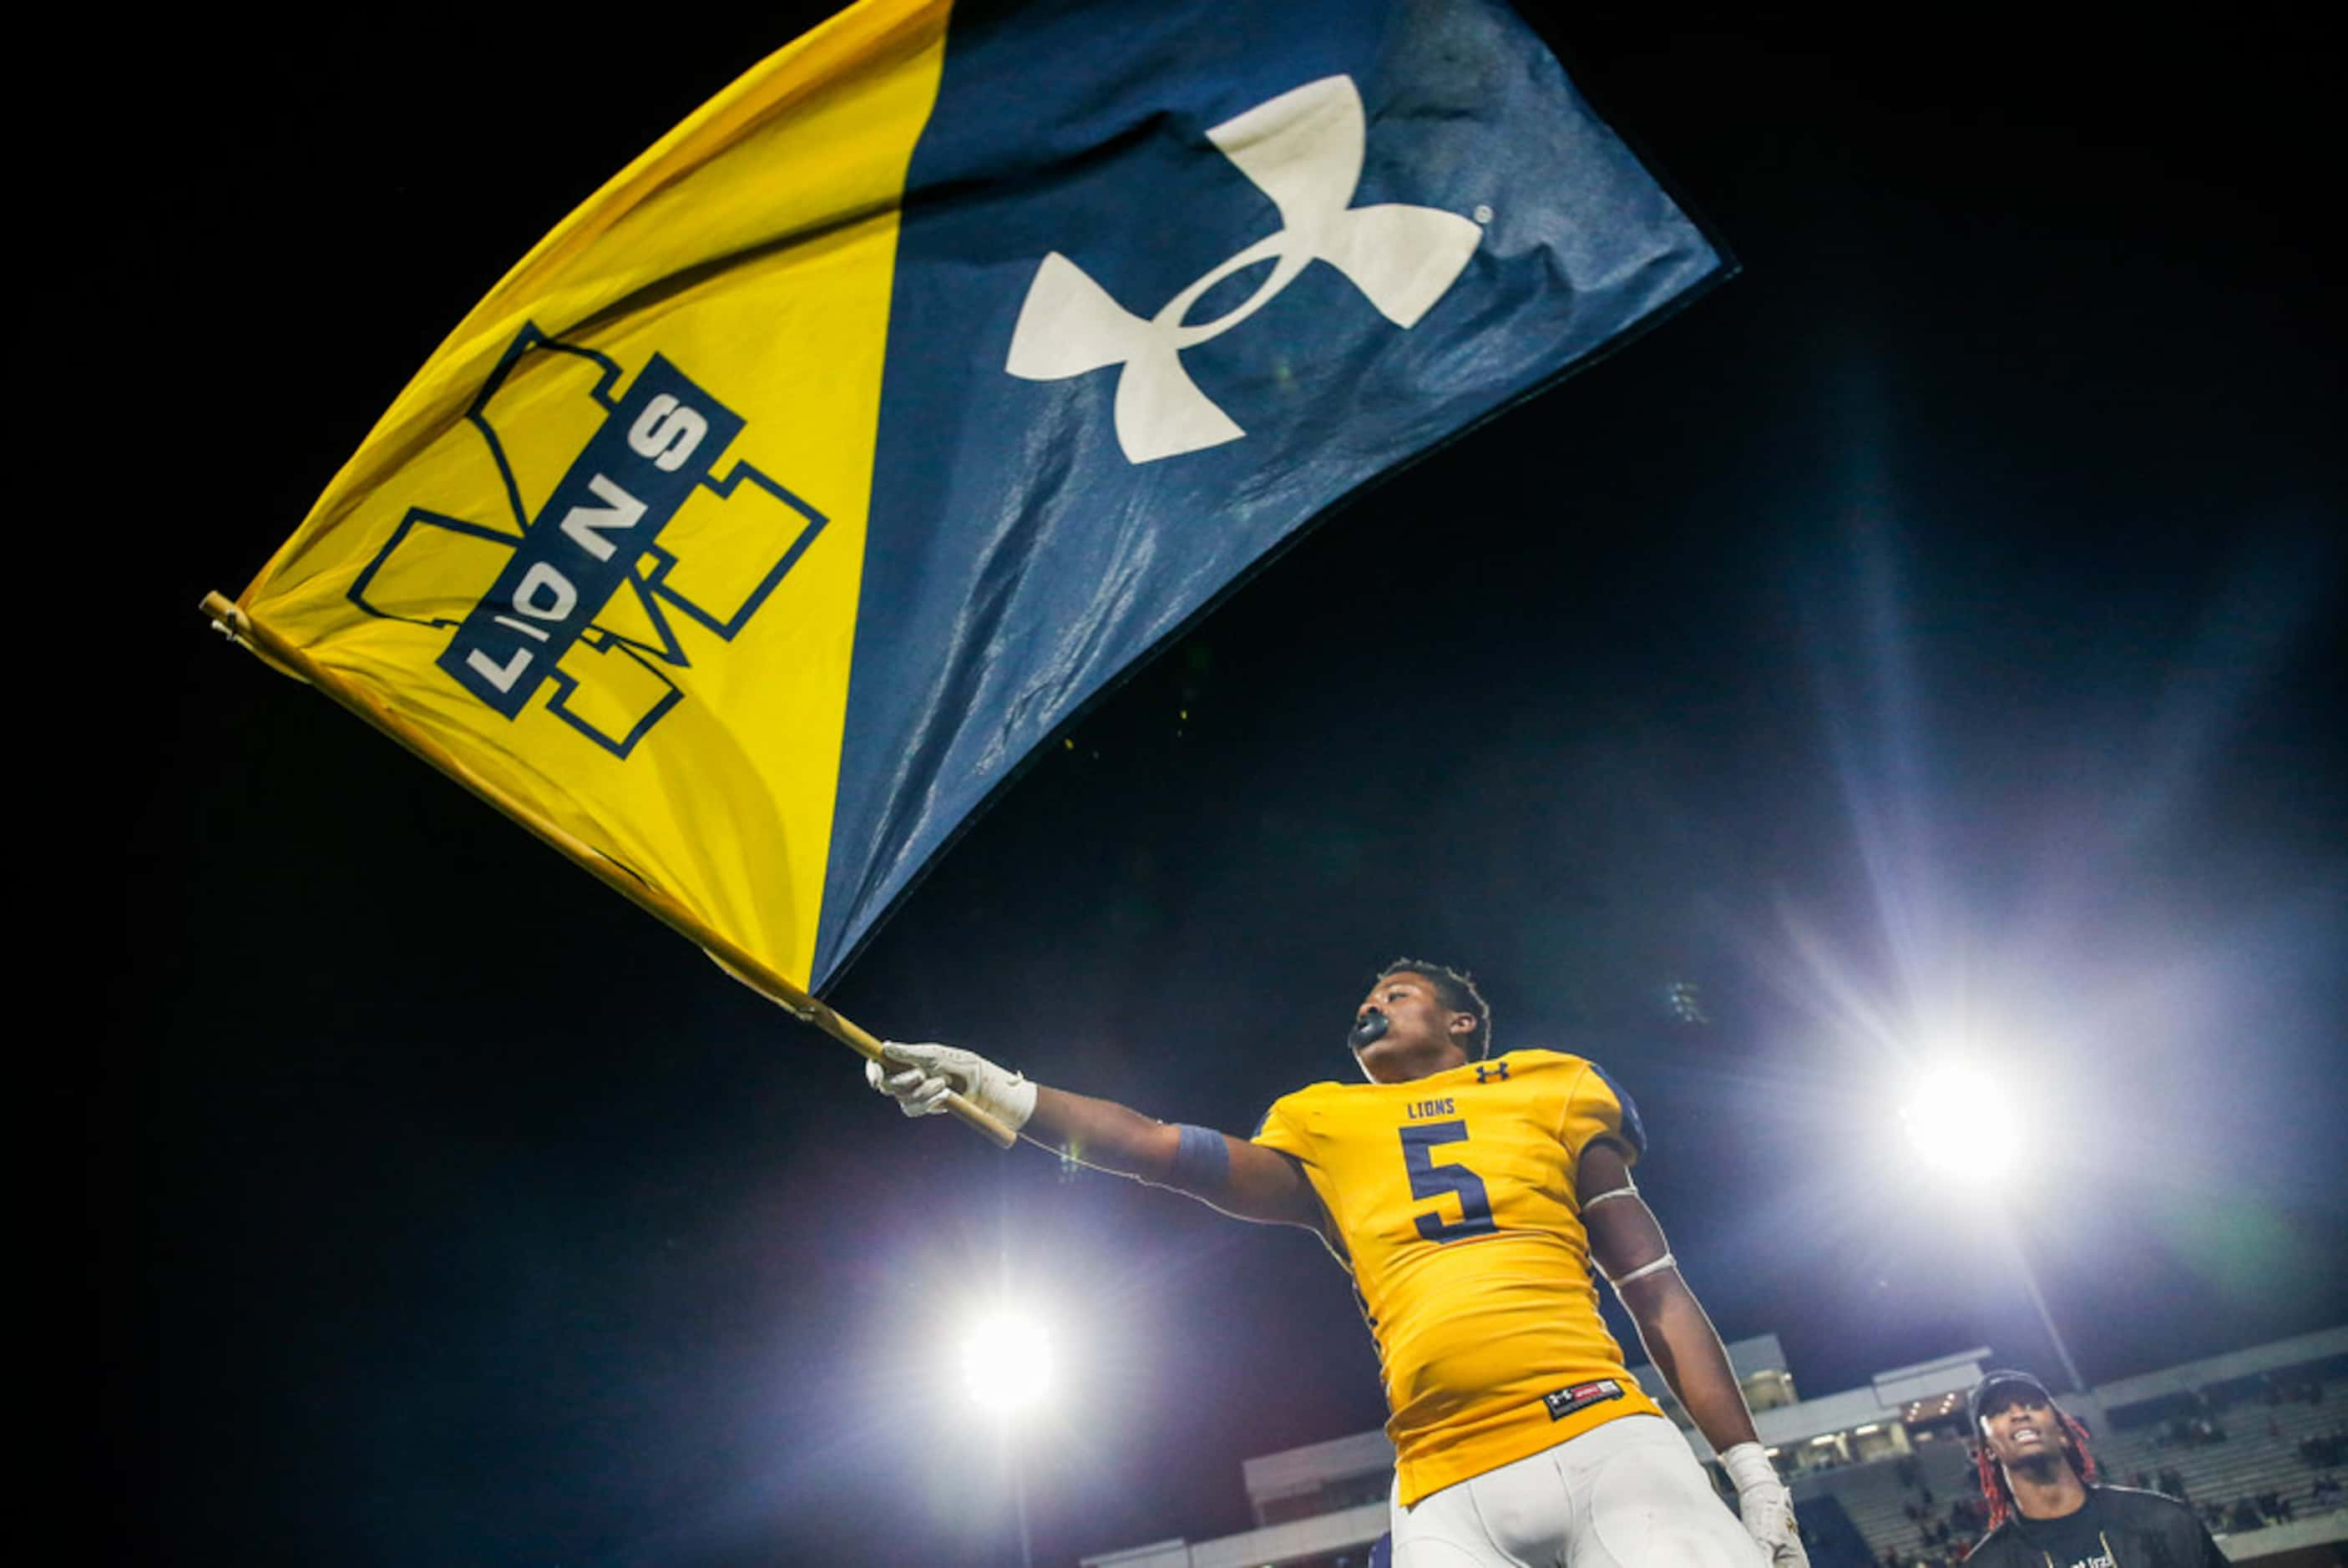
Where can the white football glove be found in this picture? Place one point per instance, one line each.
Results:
(1765, 1505)
(918, 1079)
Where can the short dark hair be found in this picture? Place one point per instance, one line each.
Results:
(1455, 989)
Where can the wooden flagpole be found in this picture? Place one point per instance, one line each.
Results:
(731, 957)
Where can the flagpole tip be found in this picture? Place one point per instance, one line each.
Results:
(230, 621)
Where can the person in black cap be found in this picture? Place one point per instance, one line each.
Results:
(2046, 1509)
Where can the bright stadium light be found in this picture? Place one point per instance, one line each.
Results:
(1007, 1365)
(1006, 1362)
(1950, 1108)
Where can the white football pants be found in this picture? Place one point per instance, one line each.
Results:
(1627, 1494)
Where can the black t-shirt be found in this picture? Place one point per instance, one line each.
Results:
(2117, 1526)
(2074, 1541)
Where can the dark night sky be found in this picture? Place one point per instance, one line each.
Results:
(1932, 636)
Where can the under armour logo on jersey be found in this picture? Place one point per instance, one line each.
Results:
(1303, 150)
(1488, 1071)
(1564, 1402)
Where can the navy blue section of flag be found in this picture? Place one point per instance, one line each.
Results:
(1171, 281)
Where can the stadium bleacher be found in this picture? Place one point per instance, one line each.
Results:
(2259, 1451)
(1876, 1497)
(1883, 1476)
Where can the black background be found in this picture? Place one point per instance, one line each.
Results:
(1928, 641)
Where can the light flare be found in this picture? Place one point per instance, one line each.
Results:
(1007, 1362)
(1951, 1105)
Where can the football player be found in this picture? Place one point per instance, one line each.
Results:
(1469, 1196)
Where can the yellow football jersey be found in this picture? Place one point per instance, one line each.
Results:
(1454, 1198)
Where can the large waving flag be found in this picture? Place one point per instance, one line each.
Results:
(765, 517)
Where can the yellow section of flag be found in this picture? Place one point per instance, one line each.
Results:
(606, 547)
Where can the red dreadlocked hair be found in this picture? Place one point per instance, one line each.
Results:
(2000, 1498)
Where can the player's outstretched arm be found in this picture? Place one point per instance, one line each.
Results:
(1238, 1178)
(1629, 1245)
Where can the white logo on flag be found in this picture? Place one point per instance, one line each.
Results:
(1304, 150)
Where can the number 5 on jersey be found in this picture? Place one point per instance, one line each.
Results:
(1428, 1180)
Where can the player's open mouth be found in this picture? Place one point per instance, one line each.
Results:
(2027, 1435)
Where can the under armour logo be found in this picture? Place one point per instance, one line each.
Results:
(1488, 1071)
(1303, 150)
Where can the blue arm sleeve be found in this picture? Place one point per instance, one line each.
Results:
(1202, 1160)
